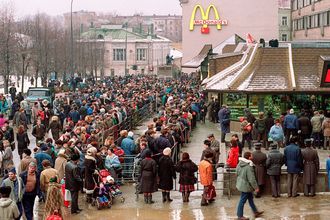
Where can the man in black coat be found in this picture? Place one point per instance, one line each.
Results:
(274, 163)
(73, 182)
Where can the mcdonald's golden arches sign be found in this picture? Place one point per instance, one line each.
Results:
(205, 20)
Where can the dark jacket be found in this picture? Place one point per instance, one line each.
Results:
(209, 150)
(90, 167)
(39, 131)
(161, 143)
(23, 141)
(148, 177)
(269, 122)
(304, 124)
(259, 160)
(311, 165)
(166, 173)
(274, 162)
(55, 128)
(187, 170)
(36, 191)
(72, 177)
(293, 159)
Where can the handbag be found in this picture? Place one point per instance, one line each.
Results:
(67, 195)
(210, 194)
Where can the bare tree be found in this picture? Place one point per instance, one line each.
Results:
(7, 42)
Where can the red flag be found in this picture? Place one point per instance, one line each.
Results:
(250, 39)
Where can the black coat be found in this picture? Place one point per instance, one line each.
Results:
(36, 190)
(148, 177)
(72, 177)
(90, 167)
(23, 142)
(187, 170)
(305, 125)
(166, 173)
(161, 143)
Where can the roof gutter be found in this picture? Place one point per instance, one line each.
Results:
(292, 75)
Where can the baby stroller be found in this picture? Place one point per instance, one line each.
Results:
(106, 191)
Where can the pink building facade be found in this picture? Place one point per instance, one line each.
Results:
(256, 17)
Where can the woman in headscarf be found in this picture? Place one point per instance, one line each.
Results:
(90, 170)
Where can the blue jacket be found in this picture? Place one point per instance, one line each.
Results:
(112, 162)
(40, 157)
(290, 122)
(328, 171)
(293, 159)
(224, 119)
(276, 133)
(128, 146)
(75, 116)
(36, 191)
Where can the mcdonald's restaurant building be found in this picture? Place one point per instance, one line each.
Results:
(210, 22)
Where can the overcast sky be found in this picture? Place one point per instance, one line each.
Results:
(121, 7)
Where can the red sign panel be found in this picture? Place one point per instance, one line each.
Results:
(327, 77)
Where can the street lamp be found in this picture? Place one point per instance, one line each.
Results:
(71, 57)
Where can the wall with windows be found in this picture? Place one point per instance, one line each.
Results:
(311, 19)
(284, 16)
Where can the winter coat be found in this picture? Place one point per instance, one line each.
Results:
(112, 162)
(60, 164)
(73, 182)
(161, 143)
(166, 173)
(290, 122)
(39, 131)
(224, 119)
(74, 115)
(8, 209)
(40, 157)
(328, 171)
(259, 161)
(274, 162)
(90, 168)
(311, 165)
(246, 180)
(17, 188)
(187, 170)
(260, 126)
(148, 175)
(7, 158)
(25, 162)
(36, 190)
(55, 127)
(326, 127)
(45, 177)
(293, 159)
(233, 157)
(206, 173)
(316, 122)
(23, 142)
(128, 146)
(215, 146)
(276, 133)
(305, 125)
(269, 122)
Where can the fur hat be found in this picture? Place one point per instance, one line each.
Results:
(130, 134)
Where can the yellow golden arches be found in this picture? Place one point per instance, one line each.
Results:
(205, 16)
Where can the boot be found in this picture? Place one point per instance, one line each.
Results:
(204, 202)
(168, 197)
(184, 197)
(150, 199)
(146, 199)
(164, 196)
(187, 196)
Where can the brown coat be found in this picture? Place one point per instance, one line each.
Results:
(259, 160)
(45, 177)
(60, 163)
(311, 165)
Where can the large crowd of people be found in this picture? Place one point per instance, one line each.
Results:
(83, 132)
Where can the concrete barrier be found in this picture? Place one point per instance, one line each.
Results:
(321, 186)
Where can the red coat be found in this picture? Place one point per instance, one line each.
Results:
(233, 155)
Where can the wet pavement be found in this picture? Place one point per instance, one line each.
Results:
(303, 208)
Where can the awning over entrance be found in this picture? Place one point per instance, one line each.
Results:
(197, 60)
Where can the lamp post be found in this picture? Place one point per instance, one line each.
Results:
(71, 57)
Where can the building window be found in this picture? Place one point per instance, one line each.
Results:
(284, 21)
(284, 37)
(141, 54)
(119, 54)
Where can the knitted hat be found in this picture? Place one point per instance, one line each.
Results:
(130, 134)
(167, 151)
(12, 170)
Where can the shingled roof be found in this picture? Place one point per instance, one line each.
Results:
(271, 70)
